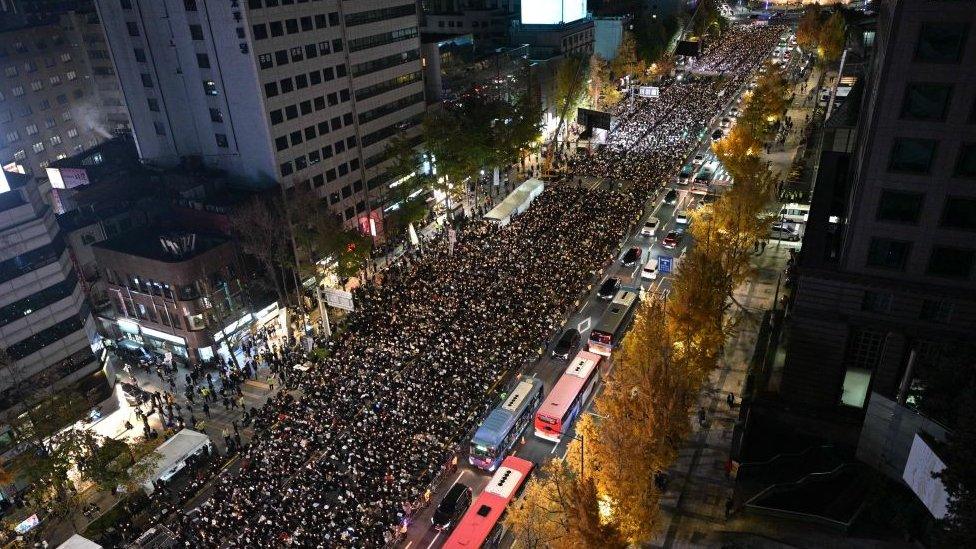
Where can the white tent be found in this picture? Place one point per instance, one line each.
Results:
(516, 202)
(79, 542)
(173, 455)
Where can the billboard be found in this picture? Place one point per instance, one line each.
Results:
(649, 91)
(67, 178)
(552, 12)
(922, 463)
(594, 119)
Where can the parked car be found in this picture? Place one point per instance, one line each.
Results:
(671, 198)
(717, 134)
(784, 231)
(566, 344)
(452, 507)
(631, 256)
(698, 159)
(609, 288)
(671, 240)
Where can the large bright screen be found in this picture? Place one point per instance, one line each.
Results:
(552, 12)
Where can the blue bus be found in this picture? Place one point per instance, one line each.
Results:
(504, 425)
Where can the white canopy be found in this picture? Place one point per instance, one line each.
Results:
(516, 202)
(174, 453)
(79, 542)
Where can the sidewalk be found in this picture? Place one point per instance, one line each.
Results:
(693, 508)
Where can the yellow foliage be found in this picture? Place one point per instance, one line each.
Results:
(559, 510)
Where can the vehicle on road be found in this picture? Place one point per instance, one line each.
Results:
(567, 344)
(452, 507)
(726, 122)
(681, 218)
(671, 240)
(671, 198)
(650, 227)
(649, 272)
(632, 256)
(609, 332)
(686, 173)
(504, 425)
(706, 173)
(793, 212)
(567, 397)
(784, 231)
(609, 288)
(698, 160)
(481, 525)
(717, 134)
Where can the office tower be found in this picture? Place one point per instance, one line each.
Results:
(58, 92)
(885, 283)
(273, 91)
(47, 334)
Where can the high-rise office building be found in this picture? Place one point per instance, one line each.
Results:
(886, 279)
(58, 91)
(47, 334)
(273, 91)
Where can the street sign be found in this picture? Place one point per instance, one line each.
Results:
(665, 263)
(340, 299)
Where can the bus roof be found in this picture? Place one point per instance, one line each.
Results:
(626, 296)
(477, 523)
(612, 319)
(499, 422)
(564, 392)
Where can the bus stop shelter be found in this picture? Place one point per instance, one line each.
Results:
(516, 202)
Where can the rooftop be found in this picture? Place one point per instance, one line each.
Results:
(163, 245)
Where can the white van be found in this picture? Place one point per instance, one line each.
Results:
(681, 219)
(649, 272)
(794, 213)
(650, 227)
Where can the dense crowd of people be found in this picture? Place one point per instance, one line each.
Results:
(344, 458)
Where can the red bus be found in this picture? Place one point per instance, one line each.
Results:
(481, 525)
(567, 397)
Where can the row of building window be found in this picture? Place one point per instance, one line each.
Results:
(931, 310)
(304, 161)
(298, 53)
(38, 85)
(11, 71)
(35, 342)
(392, 107)
(275, 29)
(24, 111)
(369, 67)
(38, 300)
(32, 260)
(382, 14)
(388, 85)
(944, 261)
(302, 81)
(321, 129)
(303, 108)
(382, 39)
(391, 130)
(258, 4)
(914, 155)
(40, 45)
(13, 135)
(906, 207)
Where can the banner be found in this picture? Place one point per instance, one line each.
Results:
(648, 91)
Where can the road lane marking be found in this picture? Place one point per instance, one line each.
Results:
(408, 545)
(583, 325)
(433, 541)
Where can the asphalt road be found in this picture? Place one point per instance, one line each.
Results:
(420, 534)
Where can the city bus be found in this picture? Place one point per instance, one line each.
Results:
(609, 332)
(481, 525)
(504, 425)
(567, 397)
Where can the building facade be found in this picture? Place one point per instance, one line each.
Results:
(273, 92)
(47, 334)
(173, 291)
(485, 20)
(885, 280)
(51, 101)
